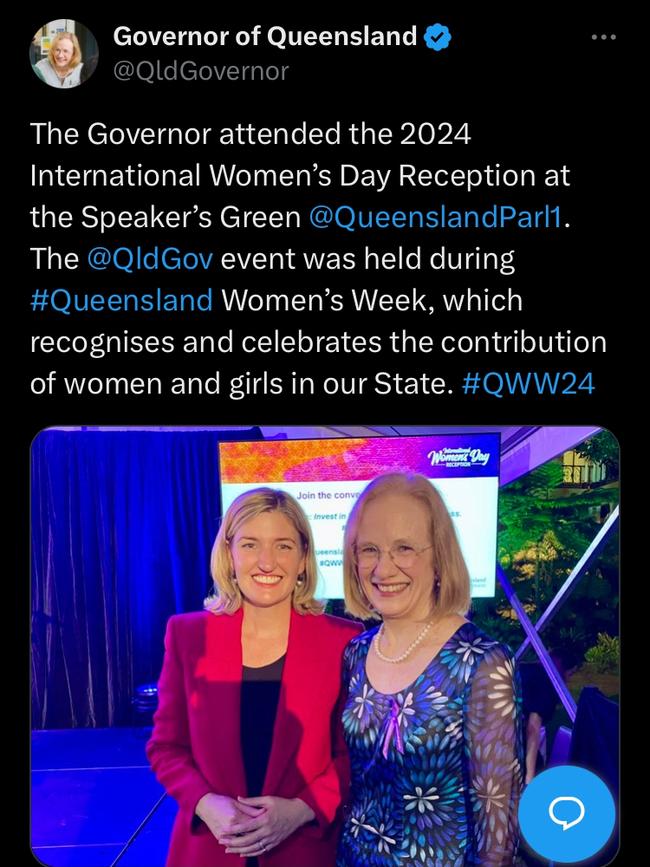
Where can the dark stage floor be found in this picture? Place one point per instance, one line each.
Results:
(91, 789)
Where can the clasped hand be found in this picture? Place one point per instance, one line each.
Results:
(248, 826)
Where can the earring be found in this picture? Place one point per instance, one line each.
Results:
(301, 579)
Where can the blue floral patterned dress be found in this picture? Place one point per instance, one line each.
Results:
(436, 767)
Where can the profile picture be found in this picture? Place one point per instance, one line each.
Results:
(63, 53)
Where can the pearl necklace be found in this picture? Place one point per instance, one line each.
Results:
(408, 650)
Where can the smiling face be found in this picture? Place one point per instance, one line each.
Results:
(63, 51)
(267, 557)
(399, 522)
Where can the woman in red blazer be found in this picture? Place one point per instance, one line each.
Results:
(247, 735)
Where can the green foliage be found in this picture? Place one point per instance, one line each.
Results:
(504, 629)
(605, 656)
(601, 449)
(544, 529)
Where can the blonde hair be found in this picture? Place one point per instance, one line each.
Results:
(451, 579)
(75, 60)
(227, 597)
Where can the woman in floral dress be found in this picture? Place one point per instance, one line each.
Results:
(432, 716)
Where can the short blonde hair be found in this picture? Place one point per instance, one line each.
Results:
(227, 597)
(75, 60)
(451, 578)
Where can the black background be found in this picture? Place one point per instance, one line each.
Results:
(537, 91)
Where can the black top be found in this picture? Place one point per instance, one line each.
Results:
(260, 692)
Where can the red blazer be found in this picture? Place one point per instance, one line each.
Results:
(195, 747)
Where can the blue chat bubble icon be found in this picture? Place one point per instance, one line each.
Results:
(558, 820)
(567, 814)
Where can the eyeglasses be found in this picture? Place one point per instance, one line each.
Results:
(403, 555)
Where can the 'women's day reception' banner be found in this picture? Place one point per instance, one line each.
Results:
(326, 477)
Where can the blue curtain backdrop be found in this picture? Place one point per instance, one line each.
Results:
(122, 527)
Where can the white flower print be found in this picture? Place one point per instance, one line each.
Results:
(437, 699)
(422, 800)
(364, 701)
(472, 649)
(502, 693)
(405, 709)
(490, 792)
(384, 840)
